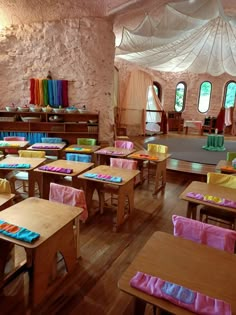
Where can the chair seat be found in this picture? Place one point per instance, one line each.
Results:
(22, 176)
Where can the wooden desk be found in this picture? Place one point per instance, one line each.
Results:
(207, 189)
(83, 149)
(125, 188)
(194, 266)
(17, 145)
(160, 177)
(104, 155)
(195, 124)
(47, 177)
(46, 147)
(6, 200)
(34, 162)
(55, 226)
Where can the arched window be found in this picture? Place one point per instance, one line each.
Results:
(229, 95)
(158, 90)
(180, 95)
(204, 96)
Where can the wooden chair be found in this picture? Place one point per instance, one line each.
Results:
(13, 151)
(86, 141)
(50, 156)
(120, 133)
(5, 191)
(73, 197)
(216, 215)
(111, 189)
(209, 125)
(124, 144)
(23, 176)
(157, 148)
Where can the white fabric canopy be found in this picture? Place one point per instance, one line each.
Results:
(187, 36)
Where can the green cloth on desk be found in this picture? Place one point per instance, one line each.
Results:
(215, 142)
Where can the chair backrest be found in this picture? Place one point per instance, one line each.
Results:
(231, 156)
(124, 144)
(123, 163)
(69, 196)
(157, 148)
(31, 154)
(199, 232)
(51, 140)
(224, 180)
(79, 157)
(13, 138)
(86, 141)
(5, 186)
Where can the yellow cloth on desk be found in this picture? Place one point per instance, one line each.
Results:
(4, 186)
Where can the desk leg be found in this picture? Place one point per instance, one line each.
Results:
(192, 210)
(160, 180)
(42, 261)
(139, 306)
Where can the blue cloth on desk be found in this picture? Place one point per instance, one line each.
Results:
(107, 178)
(16, 165)
(18, 232)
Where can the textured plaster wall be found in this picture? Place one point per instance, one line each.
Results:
(78, 50)
(168, 82)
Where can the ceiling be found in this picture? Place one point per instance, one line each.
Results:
(125, 13)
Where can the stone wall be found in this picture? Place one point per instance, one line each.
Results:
(78, 50)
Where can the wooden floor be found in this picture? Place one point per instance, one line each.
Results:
(105, 255)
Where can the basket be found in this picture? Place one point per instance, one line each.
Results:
(23, 109)
(11, 109)
(30, 119)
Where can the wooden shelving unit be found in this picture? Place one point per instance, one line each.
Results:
(70, 127)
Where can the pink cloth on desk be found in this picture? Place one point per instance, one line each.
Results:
(203, 233)
(69, 196)
(181, 296)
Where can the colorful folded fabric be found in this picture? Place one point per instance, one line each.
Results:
(15, 165)
(107, 178)
(78, 149)
(110, 152)
(18, 232)
(56, 169)
(212, 199)
(183, 297)
(45, 147)
(7, 144)
(145, 156)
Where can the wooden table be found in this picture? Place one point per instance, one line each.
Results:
(227, 167)
(55, 226)
(34, 162)
(207, 189)
(195, 124)
(49, 147)
(47, 177)
(17, 145)
(194, 266)
(125, 188)
(104, 155)
(82, 149)
(160, 159)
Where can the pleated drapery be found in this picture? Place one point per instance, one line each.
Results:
(49, 92)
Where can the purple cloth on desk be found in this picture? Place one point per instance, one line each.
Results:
(211, 199)
(110, 152)
(56, 169)
(183, 297)
(45, 147)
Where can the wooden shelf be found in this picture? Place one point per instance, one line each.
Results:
(71, 126)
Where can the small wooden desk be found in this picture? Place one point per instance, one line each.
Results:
(160, 178)
(34, 162)
(46, 147)
(17, 145)
(103, 155)
(47, 177)
(207, 189)
(55, 226)
(194, 266)
(195, 124)
(83, 149)
(125, 188)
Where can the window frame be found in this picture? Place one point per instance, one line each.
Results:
(225, 92)
(184, 96)
(199, 95)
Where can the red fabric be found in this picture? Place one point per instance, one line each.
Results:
(65, 101)
(32, 91)
(220, 121)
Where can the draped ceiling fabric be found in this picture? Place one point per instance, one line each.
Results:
(135, 102)
(186, 36)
